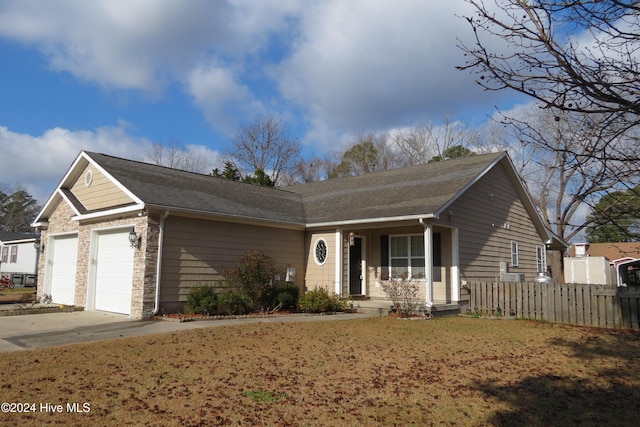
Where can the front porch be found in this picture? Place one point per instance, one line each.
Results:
(423, 253)
(384, 306)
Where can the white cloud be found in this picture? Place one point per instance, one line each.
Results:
(349, 66)
(38, 163)
(121, 44)
(221, 97)
(370, 64)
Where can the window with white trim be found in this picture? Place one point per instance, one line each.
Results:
(541, 259)
(320, 251)
(5, 254)
(515, 254)
(406, 256)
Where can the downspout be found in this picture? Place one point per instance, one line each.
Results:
(159, 263)
(428, 262)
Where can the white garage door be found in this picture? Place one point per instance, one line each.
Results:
(114, 273)
(63, 270)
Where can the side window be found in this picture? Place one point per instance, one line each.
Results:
(541, 259)
(14, 254)
(515, 256)
(5, 253)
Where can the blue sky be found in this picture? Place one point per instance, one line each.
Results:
(115, 76)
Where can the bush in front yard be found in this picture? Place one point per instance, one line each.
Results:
(403, 294)
(319, 301)
(233, 303)
(285, 296)
(202, 299)
(258, 278)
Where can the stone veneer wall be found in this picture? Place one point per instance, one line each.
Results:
(150, 244)
(139, 271)
(144, 267)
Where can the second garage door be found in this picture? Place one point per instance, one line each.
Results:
(114, 272)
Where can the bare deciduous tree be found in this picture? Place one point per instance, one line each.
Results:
(368, 153)
(316, 168)
(570, 55)
(426, 141)
(564, 181)
(265, 144)
(174, 154)
(579, 59)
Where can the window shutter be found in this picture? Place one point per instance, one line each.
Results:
(384, 257)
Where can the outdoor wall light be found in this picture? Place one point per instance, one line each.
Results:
(134, 240)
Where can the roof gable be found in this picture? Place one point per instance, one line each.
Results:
(177, 190)
(96, 190)
(418, 191)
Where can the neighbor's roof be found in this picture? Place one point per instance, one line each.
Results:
(417, 191)
(11, 237)
(611, 251)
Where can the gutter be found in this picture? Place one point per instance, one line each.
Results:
(156, 308)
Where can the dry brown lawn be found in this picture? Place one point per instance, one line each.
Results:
(379, 371)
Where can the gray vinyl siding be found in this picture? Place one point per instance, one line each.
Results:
(489, 216)
(196, 252)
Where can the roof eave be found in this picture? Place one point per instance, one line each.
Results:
(372, 220)
(234, 218)
(138, 207)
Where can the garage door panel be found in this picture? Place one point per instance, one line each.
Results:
(63, 270)
(114, 273)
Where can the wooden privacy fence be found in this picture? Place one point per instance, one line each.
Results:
(603, 306)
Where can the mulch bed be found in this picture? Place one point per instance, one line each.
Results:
(179, 317)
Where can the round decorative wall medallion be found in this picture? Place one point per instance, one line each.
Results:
(320, 252)
(88, 177)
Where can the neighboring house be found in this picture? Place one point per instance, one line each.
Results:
(611, 251)
(439, 224)
(19, 257)
(603, 263)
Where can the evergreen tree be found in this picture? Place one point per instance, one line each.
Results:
(615, 218)
(17, 211)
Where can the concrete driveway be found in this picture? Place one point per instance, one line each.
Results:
(53, 329)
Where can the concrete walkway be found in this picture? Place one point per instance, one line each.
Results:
(53, 329)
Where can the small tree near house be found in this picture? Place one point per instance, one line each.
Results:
(403, 294)
(257, 276)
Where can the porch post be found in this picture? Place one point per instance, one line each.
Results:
(455, 266)
(428, 262)
(338, 276)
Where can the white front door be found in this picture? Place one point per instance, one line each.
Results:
(64, 261)
(114, 272)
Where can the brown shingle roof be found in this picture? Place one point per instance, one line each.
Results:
(168, 188)
(611, 251)
(413, 191)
